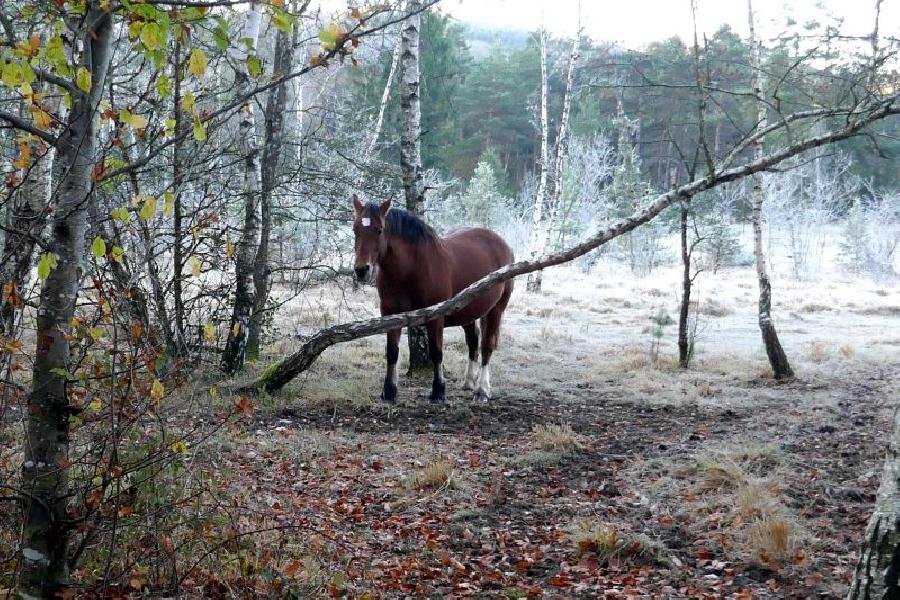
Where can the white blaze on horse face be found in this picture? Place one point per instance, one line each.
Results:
(484, 381)
(366, 222)
(471, 375)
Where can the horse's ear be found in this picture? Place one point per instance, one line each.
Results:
(357, 204)
(385, 206)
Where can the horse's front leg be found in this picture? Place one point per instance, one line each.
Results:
(436, 353)
(392, 351)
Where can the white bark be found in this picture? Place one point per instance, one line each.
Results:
(537, 215)
(379, 121)
(541, 233)
(777, 357)
(235, 351)
(410, 135)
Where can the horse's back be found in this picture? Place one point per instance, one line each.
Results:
(473, 253)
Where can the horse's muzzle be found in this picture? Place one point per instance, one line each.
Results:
(362, 273)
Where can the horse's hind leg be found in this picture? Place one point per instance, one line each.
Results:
(392, 350)
(436, 353)
(490, 334)
(472, 342)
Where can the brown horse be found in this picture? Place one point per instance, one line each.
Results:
(417, 268)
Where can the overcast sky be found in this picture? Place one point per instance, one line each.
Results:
(636, 22)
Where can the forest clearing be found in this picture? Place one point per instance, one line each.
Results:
(441, 299)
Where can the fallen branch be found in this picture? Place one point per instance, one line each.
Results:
(281, 373)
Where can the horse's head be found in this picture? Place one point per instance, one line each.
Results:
(368, 232)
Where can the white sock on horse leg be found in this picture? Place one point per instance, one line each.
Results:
(471, 375)
(484, 381)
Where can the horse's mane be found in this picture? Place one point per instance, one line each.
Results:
(404, 224)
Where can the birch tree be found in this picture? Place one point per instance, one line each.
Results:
(45, 537)
(781, 368)
(273, 146)
(235, 352)
(410, 151)
(554, 175)
(537, 213)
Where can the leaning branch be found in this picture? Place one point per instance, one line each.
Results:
(289, 368)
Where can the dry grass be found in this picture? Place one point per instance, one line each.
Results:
(714, 308)
(592, 537)
(555, 438)
(536, 458)
(818, 352)
(718, 473)
(813, 307)
(887, 310)
(435, 475)
(773, 540)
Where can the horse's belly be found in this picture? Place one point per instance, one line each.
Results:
(476, 309)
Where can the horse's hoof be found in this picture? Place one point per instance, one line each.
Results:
(481, 396)
(389, 393)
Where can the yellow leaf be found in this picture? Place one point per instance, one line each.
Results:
(213, 391)
(168, 204)
(178, 447)
(148, 210)
(136, 121)
(194, 263)
(187, 103)
(157, 390)
(235, 329)
(95, 404)
(83, 79)
(197, 62)
(229, 248)
(41, 118)
(209, 332)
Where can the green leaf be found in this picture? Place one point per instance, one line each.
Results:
(46, 264)
(83, 79)
(283, 21)
(153, 35)
(117, 254)
(168, 204)
(98, 248)
(220, 37)
(56, 54)
(163, 86)
(121, 214)
(197, 62)
(199, 130)
(329, 37)
(148, 210)
(254, 66)
(60, 372)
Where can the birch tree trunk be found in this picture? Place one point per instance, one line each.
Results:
(554, 184)
(379, 121)
(44, 568)
(410, 151)
(175, 340)
(235, 353)
(537, 214)
(781, 368)
(273, 144)
(877, 573)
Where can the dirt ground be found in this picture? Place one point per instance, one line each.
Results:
(595, 469)
(598, 468)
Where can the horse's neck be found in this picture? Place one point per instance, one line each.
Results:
(404, 261)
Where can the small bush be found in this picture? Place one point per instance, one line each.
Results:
(434, 475)
(558, 438)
